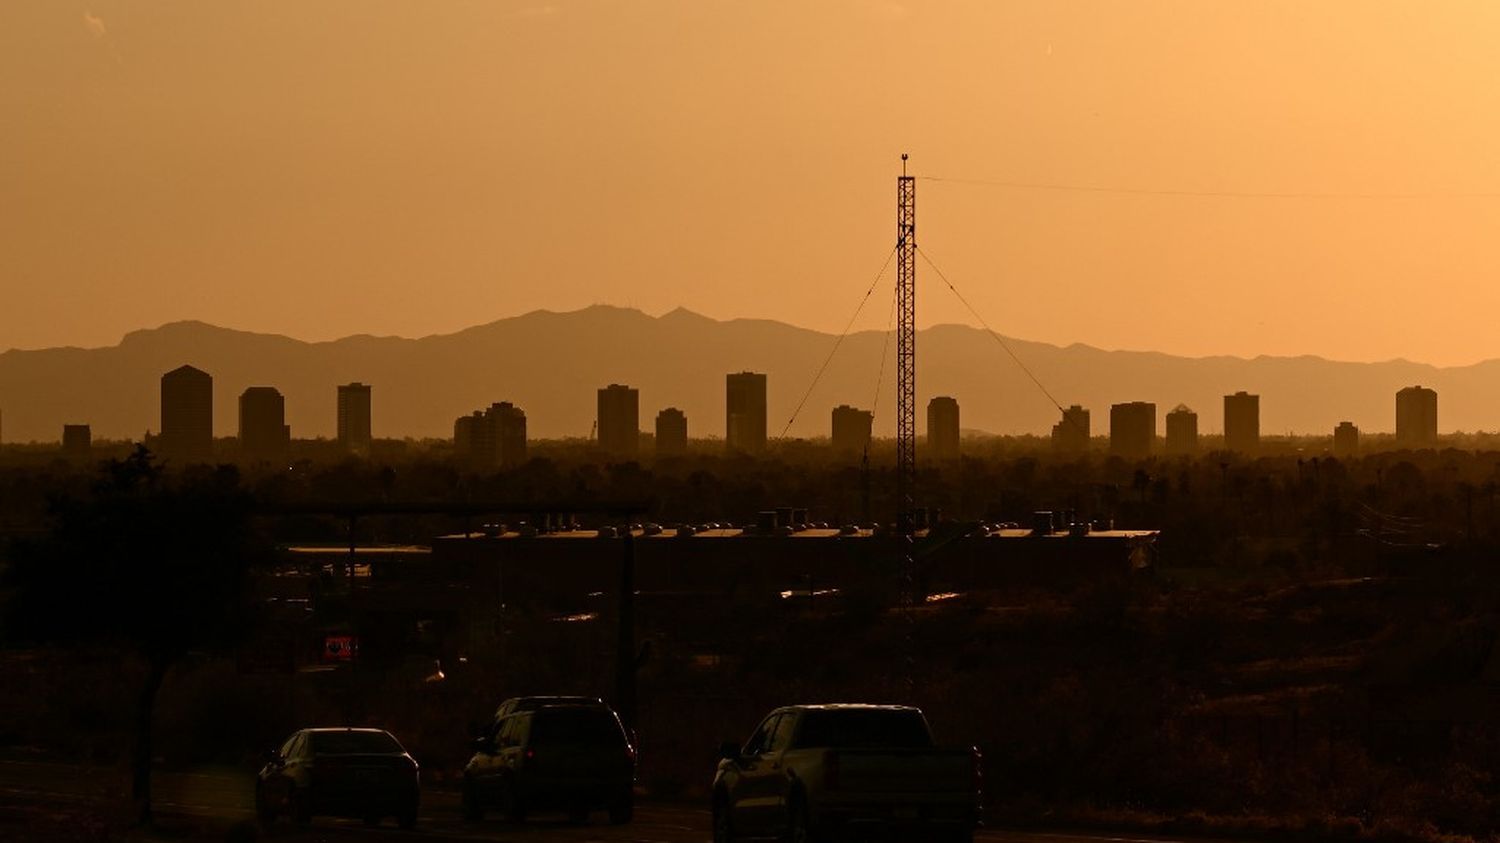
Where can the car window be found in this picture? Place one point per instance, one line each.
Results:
(510, 731)
(757, 743)
(354, 743)
(781, 737)
(291, 744)
(576, 727)
(872, 728)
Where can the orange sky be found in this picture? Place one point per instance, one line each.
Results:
(345, 166)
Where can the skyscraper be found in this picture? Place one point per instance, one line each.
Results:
(619, 420)
(1071, 434)
(187, 415)
(1345, 440)
(942, 428)
(1182, 431)
(1416, 417)
(77, 441)
(264, 434)
(671, 432)
(745, 411)
(354, 417)
(851, 429)
(1132, 429)
(1242, 422)
(491, 438)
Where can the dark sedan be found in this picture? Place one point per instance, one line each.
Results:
(360, 773)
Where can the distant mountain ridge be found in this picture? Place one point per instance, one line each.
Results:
(550, 364)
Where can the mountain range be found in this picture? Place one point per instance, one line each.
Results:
(550, 364)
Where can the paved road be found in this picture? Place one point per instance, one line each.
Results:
(216, 799)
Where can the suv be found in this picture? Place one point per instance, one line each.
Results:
(574, 758)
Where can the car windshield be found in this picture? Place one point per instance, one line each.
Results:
(534, 703)
(354, 743)
(578, 726)
(873, 728)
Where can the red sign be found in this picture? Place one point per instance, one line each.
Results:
(340, 648)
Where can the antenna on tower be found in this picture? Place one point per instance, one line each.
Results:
(906, 403)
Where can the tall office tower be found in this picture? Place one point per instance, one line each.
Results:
(77, 441)
(470, 437)
(745, 412)
(187, 415)
(507, 424)
(354, 417)
(619, 420)
(1071, 434)
(264, 434)
(1416, 417)
(1132, 429)
(851, 429)
(671, 432)
(1345, 440)
(942, 428)
(1182, 431)
(1242, 422)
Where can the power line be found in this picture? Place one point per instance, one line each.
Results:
(838, 342)
(999, 339)
(1215, 194)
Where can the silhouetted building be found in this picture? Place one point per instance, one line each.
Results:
(619, 420)
(942, 428)
(1242, 422)
(851, 429)
(354, 417)
(187, 415)
(1182, 431)
(671, 432)
(1345, 440)
(77, 441)
(1416, 417)
(264, 434)
(1132, 429)
(492, 438)
(745, 411)
(1071, 434)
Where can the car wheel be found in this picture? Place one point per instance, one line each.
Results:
(264, 810)
(723, 822)
(798, 828)
(301, 808)
(622, 810)
(512, 805)
(473, 809)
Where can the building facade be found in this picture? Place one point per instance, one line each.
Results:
(1182, 431)
(851, 429)
(1071, 434)
(1132, 429)
(1242, 423)
(745, 412)
(354, 417)
(942, 428)
(491, 438)
(187, 415)
(1416, 417)
(77, 441)
(1345, 440)
(264, 434)
(619, 420)
(671, 432)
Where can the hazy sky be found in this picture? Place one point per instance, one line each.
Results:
(326, 168)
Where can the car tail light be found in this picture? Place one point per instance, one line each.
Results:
(530, 756)
(831, 770)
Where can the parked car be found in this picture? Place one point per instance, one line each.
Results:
(814, 772)
(362, 773)
(574, 758)
(532, 703)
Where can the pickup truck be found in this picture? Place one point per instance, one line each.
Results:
(815, 772)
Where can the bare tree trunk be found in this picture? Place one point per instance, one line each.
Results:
(140, 760)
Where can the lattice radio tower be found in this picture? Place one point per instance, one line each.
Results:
(906, 349)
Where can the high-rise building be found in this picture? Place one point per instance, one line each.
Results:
(851, 429)
(1182, 431)
(492, 438)
(187, 415)
(77, 441)
(264, 434)
(942, 428)
(1345, 440)
(1071, 434)
(354, 417)
(1242, 422)
(1132, 429)
(1416, 417)
(671, 432)
(619, 420)
(745, 411)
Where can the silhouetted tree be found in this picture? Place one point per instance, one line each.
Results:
(156, 569)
